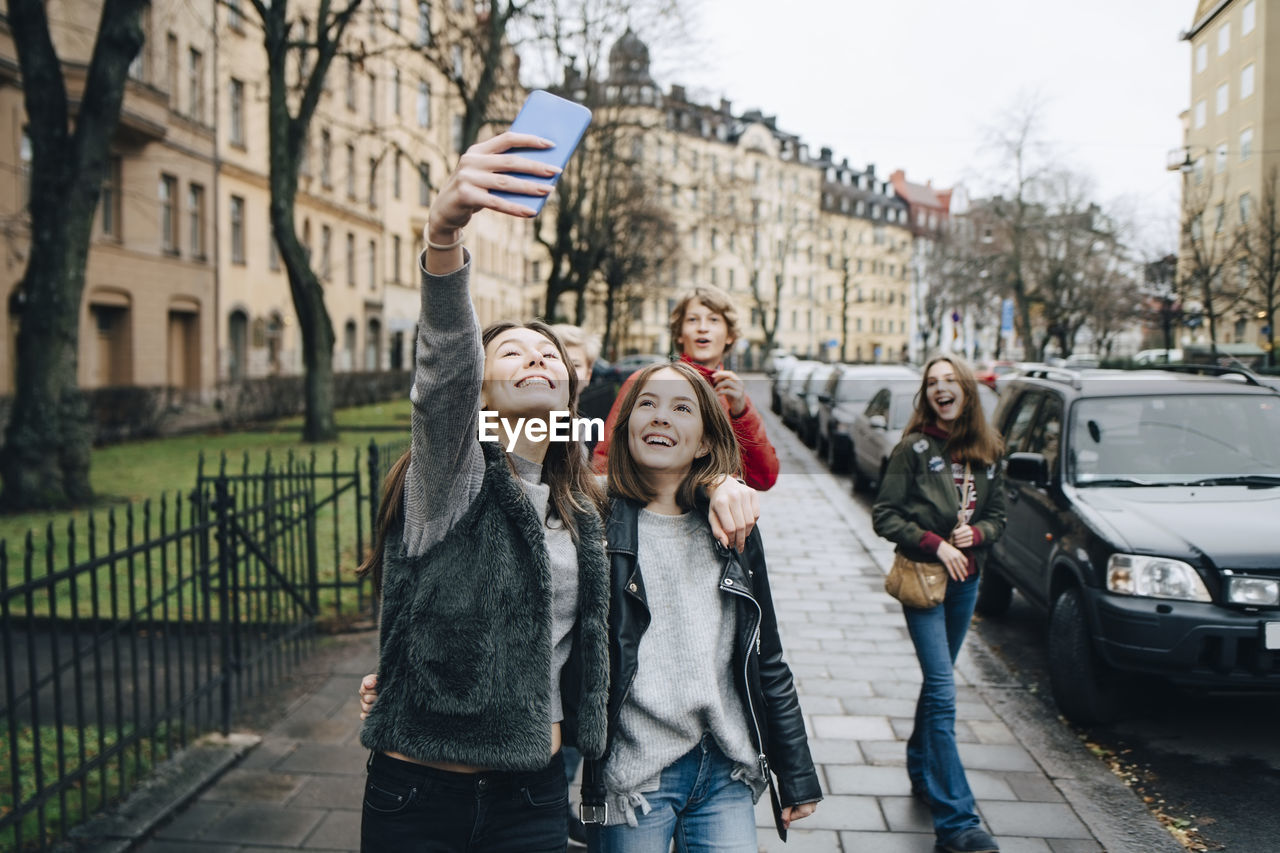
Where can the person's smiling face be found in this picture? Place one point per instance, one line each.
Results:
(524, 375)
(943, 391)
(664, 431)
(704, 334)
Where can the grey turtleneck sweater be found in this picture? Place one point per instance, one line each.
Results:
(684, 685)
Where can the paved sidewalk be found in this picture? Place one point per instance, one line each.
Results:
(1037, 787)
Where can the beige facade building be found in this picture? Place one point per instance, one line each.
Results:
(184, 285)
(1232, 123)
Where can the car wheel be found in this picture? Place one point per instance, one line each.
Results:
(994, 592)
(1084, 687)
(861, 482)
(821, 447)
(836, 460)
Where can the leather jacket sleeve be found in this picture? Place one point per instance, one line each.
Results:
(787, 745)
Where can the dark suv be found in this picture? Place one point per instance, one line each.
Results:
(1142, 518)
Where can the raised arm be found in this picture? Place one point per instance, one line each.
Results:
(446, 464)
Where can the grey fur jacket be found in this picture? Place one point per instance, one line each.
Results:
(466, 639)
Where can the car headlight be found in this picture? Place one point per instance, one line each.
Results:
(1253, 592)
(1154, 577)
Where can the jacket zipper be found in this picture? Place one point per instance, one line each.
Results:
(746, 681)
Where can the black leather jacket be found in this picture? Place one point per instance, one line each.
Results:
(764, 680)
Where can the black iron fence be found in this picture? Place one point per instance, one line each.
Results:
(125, 635)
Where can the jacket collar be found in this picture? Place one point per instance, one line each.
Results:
(935, 431)
(707, 372)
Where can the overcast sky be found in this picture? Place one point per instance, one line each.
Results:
(915, 84)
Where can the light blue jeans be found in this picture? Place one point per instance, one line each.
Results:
(698, 805)
(933, 762)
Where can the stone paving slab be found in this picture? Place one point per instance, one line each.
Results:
(857, 678)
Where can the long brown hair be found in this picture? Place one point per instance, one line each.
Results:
(724, 458)
(574, 488)
(970, 438)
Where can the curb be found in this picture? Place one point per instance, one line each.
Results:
(1105, 805)
(172, 785)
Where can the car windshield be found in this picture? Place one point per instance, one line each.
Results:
(858, 389)
(1164, 440)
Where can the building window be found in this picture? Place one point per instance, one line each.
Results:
(395, 176)
(373, 98)
(1201, 113)
(1248, 18)
(424, 104)
(1224, 38)
(138, 68)
(237, 229)
(237, 112)
(171, 70)
(351, 171)
(195, 83)
(1246, 81)
(395, 258)
(273, 252)
(326, 247)
(1246, 144)
(1202, 57)
(169, 214)
(1223, 98)
(457, 62)
(424, 185)
(351, 259)
(455, 133)
(373, 265)
(424, 23)
(195, 220)
(1219, 218)
(235, 18)
(1220, 159)
(1246, 208)
(351, 85)
(110, 199)
(373, 183)
(326, 160)
(395, 93)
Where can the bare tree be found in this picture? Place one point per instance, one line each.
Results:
(644, 241)
(289, 113)
(1211, 244)
(45, 460)
(1261, 236)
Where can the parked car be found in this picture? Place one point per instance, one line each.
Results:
(776, 360)
(847, 391)
(807, 415)
(988, 373)
(780, 383)
(621, 369)
(792, 395)
(878, 429)
(1141, 511)
(1158, 356)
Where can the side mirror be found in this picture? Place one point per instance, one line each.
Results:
(878, 422)
(825, 399)
(1032, 468)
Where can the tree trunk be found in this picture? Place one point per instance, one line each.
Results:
(45, 460)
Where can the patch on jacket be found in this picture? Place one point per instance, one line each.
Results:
(936, 464)
(920, 446)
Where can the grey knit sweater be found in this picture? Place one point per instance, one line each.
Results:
(446, 464)
(684, 684)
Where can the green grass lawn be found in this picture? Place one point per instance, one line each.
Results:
(128, 476)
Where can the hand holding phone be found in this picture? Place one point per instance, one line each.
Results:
(554, 118)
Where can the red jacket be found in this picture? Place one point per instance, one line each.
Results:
(759, 460)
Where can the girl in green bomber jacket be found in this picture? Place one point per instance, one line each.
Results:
(942, 500)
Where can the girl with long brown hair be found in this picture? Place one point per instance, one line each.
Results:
(942, 500)
(703, 710)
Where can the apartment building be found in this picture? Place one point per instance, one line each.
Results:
(184, 283)
(1234, 113)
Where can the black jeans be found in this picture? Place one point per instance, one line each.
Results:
(409, 808)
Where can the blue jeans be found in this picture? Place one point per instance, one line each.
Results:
(409, 808)
(698, 805)
(933, 762)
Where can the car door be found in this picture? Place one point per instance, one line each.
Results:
(1037, 513)
(1012, 550)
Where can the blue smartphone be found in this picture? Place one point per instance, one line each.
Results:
(551, 117)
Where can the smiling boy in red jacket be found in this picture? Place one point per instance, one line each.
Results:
(704, 325)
